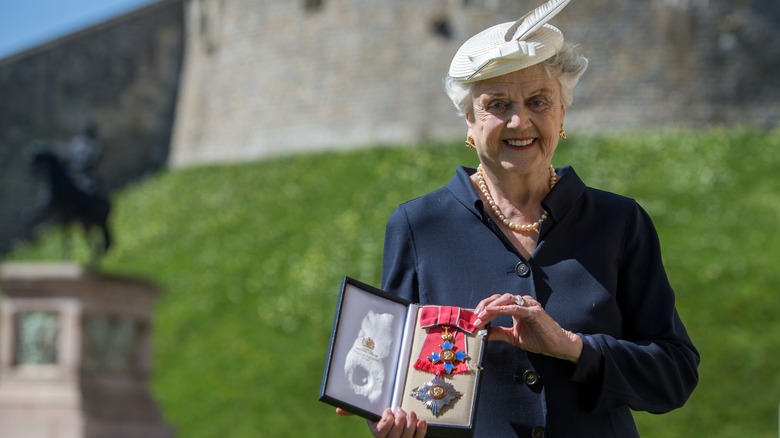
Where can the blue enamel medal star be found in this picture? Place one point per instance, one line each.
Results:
(448, 356)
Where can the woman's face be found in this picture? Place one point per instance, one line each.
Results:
(516, 120)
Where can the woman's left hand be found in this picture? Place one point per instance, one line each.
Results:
(532, 330)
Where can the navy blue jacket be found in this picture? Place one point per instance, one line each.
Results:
(597, 271)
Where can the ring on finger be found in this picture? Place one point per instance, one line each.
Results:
(519, 300)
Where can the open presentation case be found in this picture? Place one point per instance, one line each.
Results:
(387, 352)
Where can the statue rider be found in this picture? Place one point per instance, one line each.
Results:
(84, 152)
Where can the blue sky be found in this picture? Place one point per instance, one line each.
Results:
(27, 23)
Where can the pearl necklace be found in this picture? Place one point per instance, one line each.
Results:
(497, 211)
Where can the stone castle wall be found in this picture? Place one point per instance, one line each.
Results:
(291, 76)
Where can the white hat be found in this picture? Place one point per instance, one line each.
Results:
(509, 47)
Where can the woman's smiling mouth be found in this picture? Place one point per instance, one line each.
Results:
(520, 143)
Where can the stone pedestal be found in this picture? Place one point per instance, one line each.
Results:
(75, 354)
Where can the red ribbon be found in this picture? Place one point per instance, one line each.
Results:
(434, 318)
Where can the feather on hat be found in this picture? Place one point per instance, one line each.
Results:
(509, 47)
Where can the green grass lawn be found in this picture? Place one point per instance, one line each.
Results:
(251, 256)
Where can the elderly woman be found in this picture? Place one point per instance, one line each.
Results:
(570, 277)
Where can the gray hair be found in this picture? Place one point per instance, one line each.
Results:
(567, 65)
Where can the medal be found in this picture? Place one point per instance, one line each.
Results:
(449, 358)
(436, 394)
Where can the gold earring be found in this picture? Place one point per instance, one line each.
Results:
(562, 133)
(470, 143)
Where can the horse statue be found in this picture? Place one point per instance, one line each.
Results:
(62, 201)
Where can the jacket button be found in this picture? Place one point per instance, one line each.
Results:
(522, 269)
(538, 432)
(530, 378)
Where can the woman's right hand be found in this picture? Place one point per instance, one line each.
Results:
(395, 424)
(398, 424)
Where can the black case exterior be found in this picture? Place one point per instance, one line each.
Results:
(334, 333)
(434, 430)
